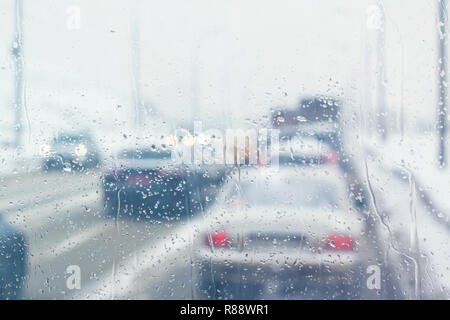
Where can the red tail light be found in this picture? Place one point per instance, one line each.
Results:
(139, 180)
(174, 173)
(339, 242)
(332, 157)
(236, 201)
(219, 239)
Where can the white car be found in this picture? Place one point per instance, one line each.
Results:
(301, 150)
(272, 231)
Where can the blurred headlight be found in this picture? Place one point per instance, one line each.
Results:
(171, 140)
(80, 150)
(188, 140)
(45, 150)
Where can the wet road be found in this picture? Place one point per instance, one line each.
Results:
(62, 217)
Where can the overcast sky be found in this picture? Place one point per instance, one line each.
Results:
(218, 61)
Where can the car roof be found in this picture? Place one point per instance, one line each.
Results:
(324, 174)
(145, 153)
(330, 173)
(64, 137)
(301, 145)
(262, 217)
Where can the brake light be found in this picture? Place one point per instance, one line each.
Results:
(339, 242)
(139, 180)
(332, 157)
(219, 239)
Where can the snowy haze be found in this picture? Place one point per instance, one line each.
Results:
(223, 62)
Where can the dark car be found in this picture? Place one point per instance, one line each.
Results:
(70, 151)
(302, 151)
(316, 116)
(12, 261)
(320, 108)
(146, 184)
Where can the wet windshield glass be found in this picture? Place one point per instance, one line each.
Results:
(295, 193)
(148, 147)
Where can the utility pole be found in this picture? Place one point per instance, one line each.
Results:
(380, 72)
(145, 113)
(376, 64)
(195, 65)
(381, 81)
(442, 62)
(136, 74)
(17, 52)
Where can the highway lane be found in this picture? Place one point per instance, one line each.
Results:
(62, 217)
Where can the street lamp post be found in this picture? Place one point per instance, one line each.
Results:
(442, 61)
(376, 25)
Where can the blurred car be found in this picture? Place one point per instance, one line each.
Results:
(312, 113)
(13, 260)
(146, 184)
(306, 151)
(317, 116)
(70, 151)
(320, 109)
(279, 234)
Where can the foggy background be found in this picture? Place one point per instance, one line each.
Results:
(143, 68)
